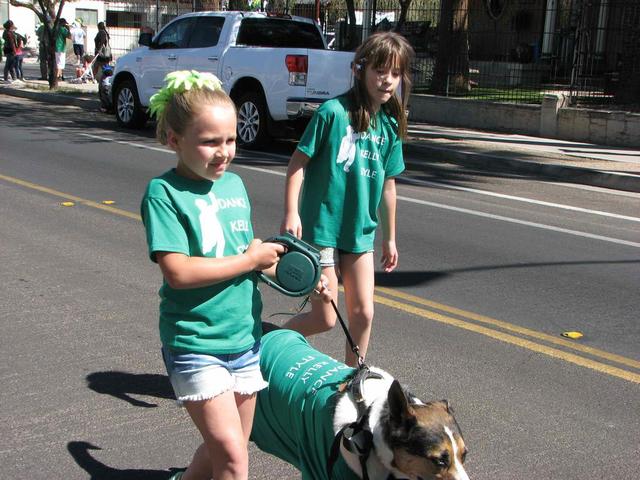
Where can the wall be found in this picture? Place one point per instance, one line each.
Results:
(456, 112)
(552, 119)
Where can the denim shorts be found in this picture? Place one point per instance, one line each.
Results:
(197, 376)
(329, 255)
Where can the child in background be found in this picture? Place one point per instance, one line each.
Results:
(198, 225)
(20, 43)
(345, 166)
(77, 38)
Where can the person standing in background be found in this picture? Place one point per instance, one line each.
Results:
(77, 37)
(60, 36)
(9, 49)
(21, 41)
(100, 40)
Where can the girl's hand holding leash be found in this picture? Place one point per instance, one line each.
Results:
(389, 259)
(322, 292)
(264, 254)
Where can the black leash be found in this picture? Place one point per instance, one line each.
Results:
(354, 347)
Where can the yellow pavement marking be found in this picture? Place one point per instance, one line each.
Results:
(513, 340)
(553, 352)
(513, 328)
(66, 196)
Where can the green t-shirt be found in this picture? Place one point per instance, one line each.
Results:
(203, 219)
(345, 175)
(294, 414)
(61, 36)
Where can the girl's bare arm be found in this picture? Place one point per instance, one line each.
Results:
(295, 175)
(182, 271)
(388, 220)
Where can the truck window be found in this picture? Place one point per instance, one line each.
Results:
(174, 35)
(273, 32)
(206, 32)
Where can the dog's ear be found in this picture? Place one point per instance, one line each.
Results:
(399, 407)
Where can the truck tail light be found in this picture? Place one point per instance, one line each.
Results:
(297, 65)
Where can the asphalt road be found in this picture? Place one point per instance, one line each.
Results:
(493, 268)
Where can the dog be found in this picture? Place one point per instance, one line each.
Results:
(334, 422)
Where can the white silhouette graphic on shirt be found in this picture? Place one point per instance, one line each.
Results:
(212, 234)
(347, 151)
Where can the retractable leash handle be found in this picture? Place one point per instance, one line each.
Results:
(298, 270)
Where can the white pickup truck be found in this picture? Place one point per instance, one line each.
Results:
(278, 70)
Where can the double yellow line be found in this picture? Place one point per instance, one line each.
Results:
(512, 334)
(496, 329)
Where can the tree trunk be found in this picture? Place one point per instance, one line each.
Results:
(237, 5)
(404, 9)
(352, 37)
(451, 73)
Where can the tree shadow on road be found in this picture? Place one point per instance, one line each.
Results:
(80, 451)
(122, 384)
(407, 278)
(412, 278)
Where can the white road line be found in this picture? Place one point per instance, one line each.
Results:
(523, 199)
(421, 202)
(521, 222)
(131, 144)
(608, 191)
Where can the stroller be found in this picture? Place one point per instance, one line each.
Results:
(85, 73)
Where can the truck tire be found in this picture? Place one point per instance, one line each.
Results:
(252, 120)
(129, 111)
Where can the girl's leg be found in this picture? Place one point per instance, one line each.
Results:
(8, 67)
(18, 67)
(358, 279)
(221, 427)
(200, 466)
(322, 316)
(246, 408)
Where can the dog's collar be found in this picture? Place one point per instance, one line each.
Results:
(356, 384)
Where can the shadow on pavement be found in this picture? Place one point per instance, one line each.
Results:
(412, 278)
(80, 451)
(406, 279)
(122, 384)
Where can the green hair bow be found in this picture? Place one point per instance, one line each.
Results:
(179, 82)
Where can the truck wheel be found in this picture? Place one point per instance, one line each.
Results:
(252, 120)
(129, 111)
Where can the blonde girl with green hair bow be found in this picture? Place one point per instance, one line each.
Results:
(210, 306)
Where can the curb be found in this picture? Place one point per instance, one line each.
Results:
(497, 163)
(53, 97)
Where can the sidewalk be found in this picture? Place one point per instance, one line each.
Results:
(588, 164)
(596, 165)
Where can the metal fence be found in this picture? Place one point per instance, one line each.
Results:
(497, 50)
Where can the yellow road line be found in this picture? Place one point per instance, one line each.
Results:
(513, 340)
(552, 352)
(512, 328)
(74, 198)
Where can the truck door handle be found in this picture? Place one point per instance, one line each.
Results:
(213, 59)
(171, 57)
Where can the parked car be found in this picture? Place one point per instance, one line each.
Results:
(277, 69)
